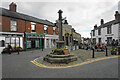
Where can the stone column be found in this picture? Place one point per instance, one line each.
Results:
(60, 25)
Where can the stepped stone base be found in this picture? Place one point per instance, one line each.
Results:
(51, 58)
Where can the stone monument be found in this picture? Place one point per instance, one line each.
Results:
(60, 54)
(60, 43)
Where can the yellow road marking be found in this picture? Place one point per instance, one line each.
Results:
(83, 63)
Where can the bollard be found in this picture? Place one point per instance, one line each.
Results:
(93, 54)
(118, 50)
(106, 52)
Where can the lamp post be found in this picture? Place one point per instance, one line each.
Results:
(91, 40)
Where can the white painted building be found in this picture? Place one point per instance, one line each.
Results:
(50, 41)
(15, 39)
(106, 32)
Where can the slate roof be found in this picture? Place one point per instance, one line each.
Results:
(16, 15)
(107, 24)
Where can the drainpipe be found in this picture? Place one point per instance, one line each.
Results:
(25, 37)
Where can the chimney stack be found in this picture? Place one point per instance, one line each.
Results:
(95, 26)
(65, 22)
(12, 7)
(102, 21)
(117, 15)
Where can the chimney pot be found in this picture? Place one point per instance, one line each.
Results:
(95, 26)
(117, 15)
(102, 21)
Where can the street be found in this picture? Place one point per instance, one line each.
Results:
(19, 66)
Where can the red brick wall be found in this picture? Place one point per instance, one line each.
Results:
(5, 24)
(39, 28)
(50, 30)
(28, 26)
(20, 26)
(56, 31)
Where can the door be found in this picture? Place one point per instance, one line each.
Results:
(67, 41)
(33, 43)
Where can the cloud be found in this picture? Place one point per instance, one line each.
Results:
(81, 14)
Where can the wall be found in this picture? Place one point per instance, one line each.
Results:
(5, 24)
(50, 30)
(39, 28)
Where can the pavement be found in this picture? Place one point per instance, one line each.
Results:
(19, 66)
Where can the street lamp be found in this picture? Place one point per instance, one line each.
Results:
(91, 40)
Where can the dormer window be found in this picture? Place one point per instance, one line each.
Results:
(32, 27)
(45, 29)
(13, 25)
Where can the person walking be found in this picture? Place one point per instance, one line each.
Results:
(9, 48)
(18, 50)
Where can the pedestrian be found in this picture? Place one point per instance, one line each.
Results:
(9, 48)
(116, 42)
(42, 47)
(18, 50)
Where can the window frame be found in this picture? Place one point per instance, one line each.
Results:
(12, 25)
(33, 25)
(109, 30)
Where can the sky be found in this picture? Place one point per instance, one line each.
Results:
(81, 14)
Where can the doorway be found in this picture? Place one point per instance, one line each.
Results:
(42, 43)
(67, 41)
(32, 43)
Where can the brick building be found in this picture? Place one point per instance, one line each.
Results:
(27, 32)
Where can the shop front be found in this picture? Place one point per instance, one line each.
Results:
(34, 41)
(13, 39)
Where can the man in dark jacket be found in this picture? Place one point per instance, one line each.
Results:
(9, 48)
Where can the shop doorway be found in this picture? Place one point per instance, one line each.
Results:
(33, 43)
(42, 42)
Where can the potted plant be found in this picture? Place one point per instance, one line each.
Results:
(113, 51)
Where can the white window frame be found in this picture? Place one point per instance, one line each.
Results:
(13, 26)
(45, 29)
(33, 25)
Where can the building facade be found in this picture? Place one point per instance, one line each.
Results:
(27, 32)
(106, 32)
(67, 33)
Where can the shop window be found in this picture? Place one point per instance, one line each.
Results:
(17, 42)
(28, 44)
(7, 40)
(2, 43)
(13, 42)
(13, 25)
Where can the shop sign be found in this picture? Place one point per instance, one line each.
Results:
(34, 37)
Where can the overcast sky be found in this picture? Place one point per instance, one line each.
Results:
(81, 14)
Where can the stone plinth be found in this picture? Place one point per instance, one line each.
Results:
(60, 44)
(51, 58)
